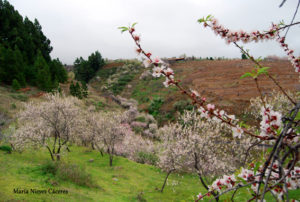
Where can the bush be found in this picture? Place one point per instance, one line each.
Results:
(155, 106)
(106, 73)
(182, 105)
(6, 148)
(68, 172)
(149, 158)
(20, 97)
(122, 82)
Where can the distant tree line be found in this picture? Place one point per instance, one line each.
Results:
(85, 70)
(25, 52)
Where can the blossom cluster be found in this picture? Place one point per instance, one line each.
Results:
(248, 176)
(294, 61)
(219, 116)
(271, 122)
(236, 36)
(254, 36)
(160, 67)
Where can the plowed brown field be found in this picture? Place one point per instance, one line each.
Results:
(220, 80)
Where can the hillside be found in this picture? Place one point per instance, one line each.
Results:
(219, 81)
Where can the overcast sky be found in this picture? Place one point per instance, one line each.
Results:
(168, 27)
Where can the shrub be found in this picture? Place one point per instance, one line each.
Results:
(145, 157)
(68, 172)
(122, 82)
(182, 105)
(6, 148)
(20, 97)
(15, 84)
(155, 105)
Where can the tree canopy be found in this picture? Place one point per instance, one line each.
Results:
(25, 52)
(87, 69)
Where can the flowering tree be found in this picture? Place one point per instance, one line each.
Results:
(200, 146)
(105, 131)
(278, 172)
(51, 124)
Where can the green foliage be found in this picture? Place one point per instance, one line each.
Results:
(68, 172)
(20, 97)
(122, 82)
(141, 119)
(78, 91)
(6, 148)
(154, 108)
(124, 29)
(84, 89)
(244, 56)
(22, 45)
(99, 105)
(145, 157)
(13, 106)
(87, 69)
(256, 72)
(43, 76)
(105, 73)
(182, 105)
(16, 85)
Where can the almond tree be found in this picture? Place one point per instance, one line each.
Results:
(105, 131)
(199, 146)
(51, 124)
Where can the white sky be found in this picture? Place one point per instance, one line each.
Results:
(167, 27)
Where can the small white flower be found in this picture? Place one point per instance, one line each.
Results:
(200, 196)
(147, 63)
(167, 82)
(237, 131)
(156, 71)
(195, 93)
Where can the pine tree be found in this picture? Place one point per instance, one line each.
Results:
(43, 78)
(16, 84)
(72, 89)
(78, 91)
(84, 89)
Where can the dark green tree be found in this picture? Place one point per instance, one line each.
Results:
(87, 69)
(244, 56)
(21, 44)
(43, 77)
(15, 84)
(84, 89)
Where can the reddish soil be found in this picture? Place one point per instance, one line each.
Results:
(220, 80)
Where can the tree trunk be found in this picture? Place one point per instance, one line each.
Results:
(110, 159)
(200, 176)
(50, 153)
(162, 188)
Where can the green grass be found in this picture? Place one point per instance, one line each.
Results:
(125, 181)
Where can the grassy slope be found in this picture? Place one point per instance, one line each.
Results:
(123, 182)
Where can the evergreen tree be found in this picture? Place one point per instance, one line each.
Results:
(72, 89)
(86, 70)
(78, 91)
(43, 78)
(22, 43)
(15, 84)
(244, 57)
(84, 89)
